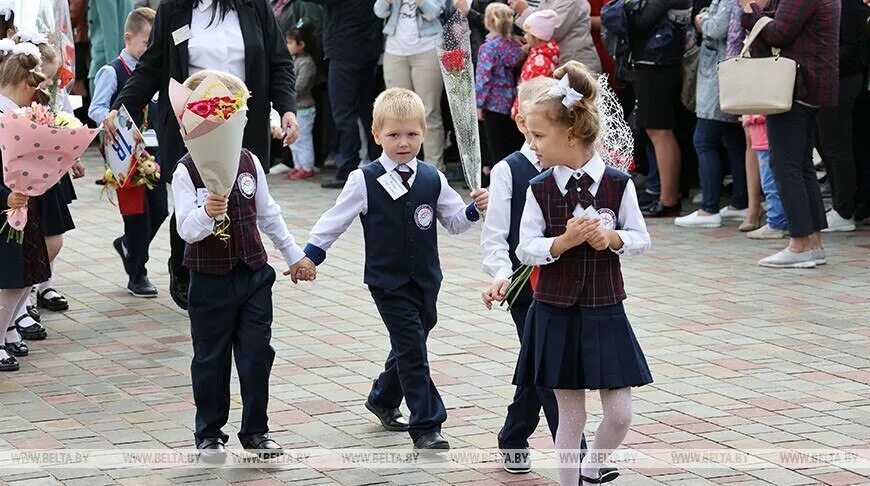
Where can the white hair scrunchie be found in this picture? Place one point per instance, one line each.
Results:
(27, 48)
(32, 37)
(7, 45)
(563, 89)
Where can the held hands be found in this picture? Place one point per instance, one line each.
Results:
(16, 200)
(481, 199)
(303, 270)
(216, 206)
(495, 293)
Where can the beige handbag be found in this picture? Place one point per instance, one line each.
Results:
(763, 86)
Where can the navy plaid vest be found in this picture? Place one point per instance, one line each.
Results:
(216, 257)
(582, 275)
(401, 238)
(122, 77)
(522, 171)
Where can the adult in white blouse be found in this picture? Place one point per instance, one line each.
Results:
(237, 36)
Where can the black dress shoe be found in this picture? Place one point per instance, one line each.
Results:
(431, 441)
(177, 289)
(34, 313)
(391, 418)
(9, 364)
(645, 198)
(50, 299)
(212, 451)
(18, 349)
(658, 210)
(262, 446)
(334, 184)
(605, 475)
(142, 287)
(33, 332)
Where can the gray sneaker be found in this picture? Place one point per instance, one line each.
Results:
(789, 259)
(819, 256)
(766, 233)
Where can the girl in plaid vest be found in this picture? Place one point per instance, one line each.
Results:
(579, 217)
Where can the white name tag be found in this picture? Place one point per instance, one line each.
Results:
(181, 35)
(201, 195)
(392, 183)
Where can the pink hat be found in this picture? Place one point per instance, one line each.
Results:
(541, 24)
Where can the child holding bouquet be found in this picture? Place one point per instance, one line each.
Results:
(579, 215)
(398, 198)
(26, 263)
(230, 295)
(543, 56)
(141, 223)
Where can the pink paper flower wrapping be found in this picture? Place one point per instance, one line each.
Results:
(35, 157)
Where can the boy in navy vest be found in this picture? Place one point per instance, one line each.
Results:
(139, 229)
(398, 199)
(230, 294)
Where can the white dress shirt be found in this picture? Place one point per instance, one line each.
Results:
(353, 201)
(534, 247)
(195, 225)
(219, 46)
(494, 238)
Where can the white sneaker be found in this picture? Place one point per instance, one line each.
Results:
(838, 223)
(819, 256)
(696, 220)
(730, 213)
(766, 233)
(789, 259)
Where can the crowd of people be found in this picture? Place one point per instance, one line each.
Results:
(358, 83)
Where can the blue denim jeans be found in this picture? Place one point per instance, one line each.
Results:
(711, 136)
(775, 213)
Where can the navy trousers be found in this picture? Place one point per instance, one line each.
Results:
(524, 413)
(140, 230)
(231, 314)
(351, 88)
(409, 313)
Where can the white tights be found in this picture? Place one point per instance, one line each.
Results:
(572, 419)
(10, 301)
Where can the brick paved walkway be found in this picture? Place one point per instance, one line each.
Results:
(743, 358)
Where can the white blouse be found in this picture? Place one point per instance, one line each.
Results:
(219, 46)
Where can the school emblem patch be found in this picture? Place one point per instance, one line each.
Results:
(607, 218)
(423, 216)
(247, 185)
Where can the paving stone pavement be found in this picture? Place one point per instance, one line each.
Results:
(744, 358)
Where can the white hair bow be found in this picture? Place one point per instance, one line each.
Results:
(27, 48)
(32, 37)
(7, 8)
(563, 89)
(7, 45)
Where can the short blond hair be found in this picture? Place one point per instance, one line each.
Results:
(532, 89)
(398, 104)
(233, 83)
(498, 18)
(138, 19)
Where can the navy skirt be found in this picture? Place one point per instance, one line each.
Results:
(580, 348)
(55, 217)
(24, 264)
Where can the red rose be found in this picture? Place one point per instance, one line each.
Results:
(203, 108)
(453, 61)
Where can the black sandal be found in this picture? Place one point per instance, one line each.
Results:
(55, 304)
(18, 349)
(33, 332)
(9, 364)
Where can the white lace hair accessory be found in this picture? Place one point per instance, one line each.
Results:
(615, 142)
(32, 37)
(563, 89)
(27, 48)
(7, 45)
(7, 8)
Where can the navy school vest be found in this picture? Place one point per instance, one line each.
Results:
(401, 240)
(123, 76)
(522, 171)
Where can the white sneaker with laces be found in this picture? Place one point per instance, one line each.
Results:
(697, 220)
(730, 213)
(838, 223)
(819, 256)
(789, 259)
(766, 233)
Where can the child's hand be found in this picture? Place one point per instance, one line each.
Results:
(577, 229)
(597, 238)
(481, 199)
(216, 205)
(16, 200)
(304, 270)
(78, 170)
(496, 292)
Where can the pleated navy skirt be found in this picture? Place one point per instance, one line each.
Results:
(24, 264)
(580, 348)
(56, 218)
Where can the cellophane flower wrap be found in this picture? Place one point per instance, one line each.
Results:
(39, 146)
(615, 146)
(454, 55)
(212, 119)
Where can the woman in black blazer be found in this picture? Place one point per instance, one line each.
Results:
(268, 73)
